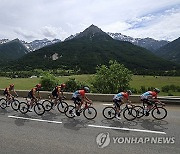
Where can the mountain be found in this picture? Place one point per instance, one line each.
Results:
(171, 51)
(37, 44)
(4, 41)
(12, 50)
(147, 43)
(91, 48)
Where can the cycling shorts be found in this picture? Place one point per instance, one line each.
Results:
(30, 96)
(6, 93)
(117, 102)
(54, 93)
(76, 100)
(147, 101)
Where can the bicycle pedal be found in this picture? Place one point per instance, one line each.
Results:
(77, 113)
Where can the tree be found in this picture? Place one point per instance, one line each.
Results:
(48, 81)
(73, 85)
(112, 79)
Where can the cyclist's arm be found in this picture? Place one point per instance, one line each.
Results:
(88, 100)
(39, 96)
(15, 92)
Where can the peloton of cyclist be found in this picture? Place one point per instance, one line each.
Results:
(79, 97)
(57, 93)
(150, 97)
(32, 94)
(118, 99)
(7, 92)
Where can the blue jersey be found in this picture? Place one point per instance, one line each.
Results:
(120, 96)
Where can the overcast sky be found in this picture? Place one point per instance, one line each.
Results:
(37, 19)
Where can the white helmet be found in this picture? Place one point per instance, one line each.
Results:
(129, 92)
(86, 89)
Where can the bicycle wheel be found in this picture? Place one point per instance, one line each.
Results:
(39, 109)
(47, 105)
(23, 107)
(159, 113)
(90, 113)
(3, 103)
(15, 105)
(140, 111)
(62, 106)
(130, 114)
(70, 110)
(109, 112)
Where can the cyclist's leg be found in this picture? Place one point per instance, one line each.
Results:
(32, 100)
(55, 96)
(117, 106)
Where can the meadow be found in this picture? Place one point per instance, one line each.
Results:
(137, 82)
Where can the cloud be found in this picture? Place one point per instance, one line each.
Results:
(60, 19)
(53, 32)
(24, 33)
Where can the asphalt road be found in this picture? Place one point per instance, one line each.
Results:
(55, 133)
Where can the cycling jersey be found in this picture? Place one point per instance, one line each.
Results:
(120, 96)
(31, 93)
(56, 90)
(149, 95)
(79, 93)
(7, 90)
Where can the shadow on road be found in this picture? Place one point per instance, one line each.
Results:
(5, 111)
(154, 125)
(120, 124)
(21, 122)
(76, 124)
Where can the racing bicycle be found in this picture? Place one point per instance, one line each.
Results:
(156, 109)
(87, 109)
(61, 104)
(38, 108)
(14, 103)
(129, 113)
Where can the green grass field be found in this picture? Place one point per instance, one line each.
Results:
(137, 82)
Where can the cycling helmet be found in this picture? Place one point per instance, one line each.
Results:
(129, 92)
(157, 90)
(11, 85)
(63, 85)
(86, 89)
(38, 85)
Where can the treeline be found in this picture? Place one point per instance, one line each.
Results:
(37, 73)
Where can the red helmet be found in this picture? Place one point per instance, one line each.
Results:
(63, 85)
(38, 85)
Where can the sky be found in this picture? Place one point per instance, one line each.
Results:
(38, 19)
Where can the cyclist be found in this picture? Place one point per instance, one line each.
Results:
(32, 95)
(57, 93)
(79, 97)
(7, 92)
(150, 97)
(118, 99)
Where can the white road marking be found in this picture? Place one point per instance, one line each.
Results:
(108, 104)
(40, 120)
(95, 126)
(127, 129)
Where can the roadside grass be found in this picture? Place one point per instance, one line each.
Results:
(137, 82)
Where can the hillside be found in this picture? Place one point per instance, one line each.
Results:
(171, 51)
(90, 48)
(12, 50)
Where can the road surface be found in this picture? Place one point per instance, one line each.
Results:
(55, 133)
